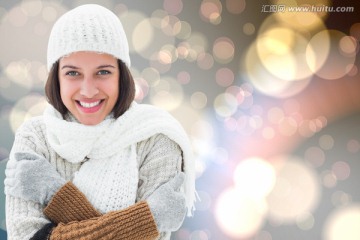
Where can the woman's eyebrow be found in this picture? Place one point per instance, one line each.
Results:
(101, 66)
(106, 66)
(69, 66)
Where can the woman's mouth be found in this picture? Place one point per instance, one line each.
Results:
(89, 107)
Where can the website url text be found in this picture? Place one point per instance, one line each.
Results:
(283, 8)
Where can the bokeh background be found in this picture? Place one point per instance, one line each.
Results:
(268, 91)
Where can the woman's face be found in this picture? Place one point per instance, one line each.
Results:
(89, 85)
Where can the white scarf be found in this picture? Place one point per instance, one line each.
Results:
(74, 141)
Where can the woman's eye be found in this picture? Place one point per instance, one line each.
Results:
(72, 73)
(103, 72)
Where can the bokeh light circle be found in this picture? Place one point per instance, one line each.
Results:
(224, 77)
(303, 21)
(296, 191)
(238, 216)
(146, 36)
(139, 42)
(210, 11)
(167, 94)
(235, 6)
(223, 50)
(173, 6)
(225, 105)
(254, 177)
(264, 81)
(25, 108)
(343, 223)
(281, 51)
(335, 52)
(28, 18)
(198, 100)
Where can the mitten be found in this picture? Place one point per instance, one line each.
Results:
(31, 177)
(168, 205)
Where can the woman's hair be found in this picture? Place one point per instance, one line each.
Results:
(125, 98)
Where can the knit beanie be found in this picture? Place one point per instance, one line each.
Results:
(88, 27)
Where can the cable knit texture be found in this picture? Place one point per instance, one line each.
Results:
(89, 27)
(158, 158)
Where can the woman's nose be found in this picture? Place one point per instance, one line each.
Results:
(88, 88)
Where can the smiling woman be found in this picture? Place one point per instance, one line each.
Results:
(96, 165)
(89, 85)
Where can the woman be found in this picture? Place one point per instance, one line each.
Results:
(96, 165)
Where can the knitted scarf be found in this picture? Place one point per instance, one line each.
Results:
(111, 138)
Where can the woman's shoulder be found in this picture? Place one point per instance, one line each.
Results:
(157, 140)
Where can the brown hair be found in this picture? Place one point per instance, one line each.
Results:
(126, 90)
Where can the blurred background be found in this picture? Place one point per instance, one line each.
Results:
(268, 91)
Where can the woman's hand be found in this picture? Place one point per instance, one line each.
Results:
(168, 205)
(31, 177)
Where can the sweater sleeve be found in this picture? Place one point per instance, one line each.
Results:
(25, 218)
(160, 159)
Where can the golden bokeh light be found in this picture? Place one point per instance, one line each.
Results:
(25, 108)
(310, 20)
(335, 63)
(281, 51)
(264, 81)
(142, 29)
(167, 94)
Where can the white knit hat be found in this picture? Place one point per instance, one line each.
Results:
(88, 27)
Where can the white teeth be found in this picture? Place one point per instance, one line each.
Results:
(89, 105)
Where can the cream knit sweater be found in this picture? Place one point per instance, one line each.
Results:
(158, 158)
